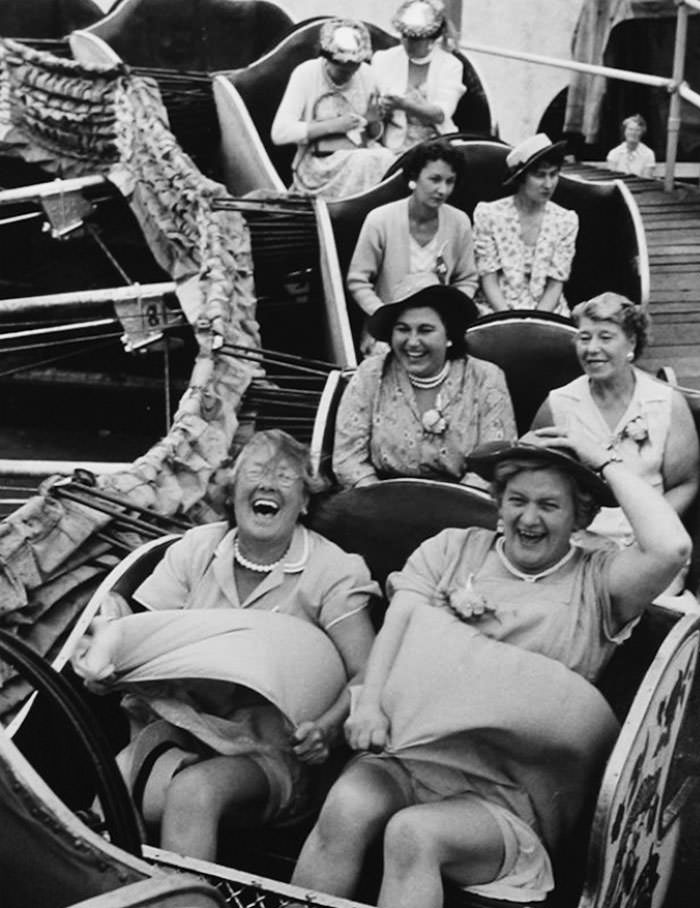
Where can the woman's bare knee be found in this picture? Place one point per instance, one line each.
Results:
(359, 804)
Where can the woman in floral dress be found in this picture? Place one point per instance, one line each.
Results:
(525, 243)
(421, 407)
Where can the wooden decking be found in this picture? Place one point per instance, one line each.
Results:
(672, 227)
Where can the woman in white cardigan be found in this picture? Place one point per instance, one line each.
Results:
(416, 234)
(419, 81)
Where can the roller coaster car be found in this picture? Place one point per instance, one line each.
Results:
(634, 831)
(191, 34)
(247, 101)
(610, 247)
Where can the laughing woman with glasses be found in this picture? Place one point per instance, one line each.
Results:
(264, 559)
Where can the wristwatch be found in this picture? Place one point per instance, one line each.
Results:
(613, 457)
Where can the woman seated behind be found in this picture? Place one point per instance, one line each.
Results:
(525, 243)
(420, 82)
(645, 422)
(329, 112)
(542, 612)
(261, 558)
(419, 409)
(416, 234)
(632, 155)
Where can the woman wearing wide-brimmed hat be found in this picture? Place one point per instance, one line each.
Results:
(420, 408)
(329, 112)
(479, 730)
(419, 80)
(525, 243)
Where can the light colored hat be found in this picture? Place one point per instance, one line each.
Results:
(346, 41)
(419, 18)
(528, 152)
(423, 288)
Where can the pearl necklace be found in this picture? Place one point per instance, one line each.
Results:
(531, 578)
(425, 384)
(254, 565)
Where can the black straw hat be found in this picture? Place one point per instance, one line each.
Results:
(423, 289)
(483, 460)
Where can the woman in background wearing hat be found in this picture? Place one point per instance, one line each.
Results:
(329, 112)
(243, 762)
(646, 421)
(420, 408)
(420, 82)
(479, 730)
(417, 234)
(525, 243)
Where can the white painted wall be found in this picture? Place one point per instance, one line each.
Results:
(519, 92)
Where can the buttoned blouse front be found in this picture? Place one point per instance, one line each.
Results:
(318, 582)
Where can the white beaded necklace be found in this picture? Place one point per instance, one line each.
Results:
(254, 565)
(427, 383)
(531, 578)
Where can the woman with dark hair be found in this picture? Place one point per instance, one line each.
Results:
(420, 408)
(416, 234)
(632, 156)
(525, 243)
(240, 759)
(645, 422)
(420, 81)
(479, 731)
(329, 112)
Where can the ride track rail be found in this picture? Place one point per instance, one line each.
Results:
(671, 222)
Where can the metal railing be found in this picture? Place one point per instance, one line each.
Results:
(676, 85)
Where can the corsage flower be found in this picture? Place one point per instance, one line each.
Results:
(636, 429)
(468, 604)
(433, 421)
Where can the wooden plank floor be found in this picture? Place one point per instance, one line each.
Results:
(672, 227)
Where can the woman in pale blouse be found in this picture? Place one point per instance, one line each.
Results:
(420, 81)
(417, 234)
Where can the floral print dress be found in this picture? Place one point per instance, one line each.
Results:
(380, 431)
(523, 271)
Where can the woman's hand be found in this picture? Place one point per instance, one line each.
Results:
(311, 743)
(345, 123)
(388, 103)
(93, 657)
(590, 452)
(367, 729)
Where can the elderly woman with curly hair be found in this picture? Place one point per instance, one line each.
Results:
(644, 422)
(264, 572)
(420, 80)
(329, 112)
(479, 731)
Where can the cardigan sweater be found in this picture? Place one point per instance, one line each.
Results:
(382, 255)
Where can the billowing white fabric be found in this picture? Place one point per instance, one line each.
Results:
(291, 663)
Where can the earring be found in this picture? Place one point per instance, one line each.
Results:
(449, 343)
(630, 356)
(411, 185)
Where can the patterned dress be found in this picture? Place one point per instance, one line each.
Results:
(380, 433)
(523, 271)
